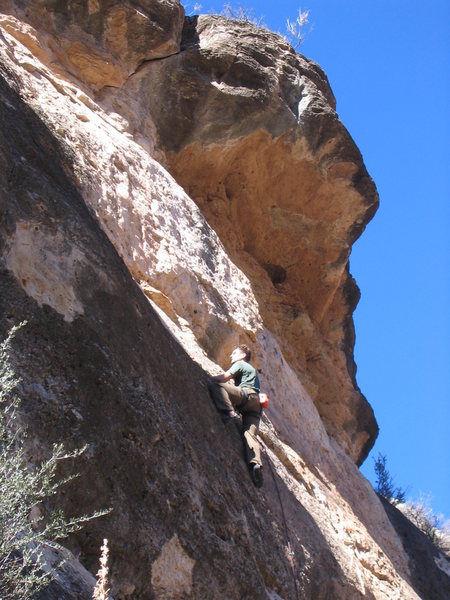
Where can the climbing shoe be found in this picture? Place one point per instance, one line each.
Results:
(257, 475)
(230, 416)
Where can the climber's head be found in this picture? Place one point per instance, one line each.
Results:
(241, 352)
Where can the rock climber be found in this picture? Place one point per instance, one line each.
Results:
(241, 398)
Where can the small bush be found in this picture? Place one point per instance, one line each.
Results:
(421, 514)
(296, 27)
(240, 13)
(384, 485)
(25, 532)
(191, 10)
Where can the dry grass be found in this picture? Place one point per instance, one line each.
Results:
(101, 590)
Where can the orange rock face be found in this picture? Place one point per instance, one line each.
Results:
(250, 132)
(102, 42)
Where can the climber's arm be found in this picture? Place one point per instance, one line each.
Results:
(223, 377)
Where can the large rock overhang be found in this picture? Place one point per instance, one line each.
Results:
(249, 129)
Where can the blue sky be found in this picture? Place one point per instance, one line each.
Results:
(388, 63)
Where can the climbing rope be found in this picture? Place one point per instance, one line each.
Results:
(286, 530)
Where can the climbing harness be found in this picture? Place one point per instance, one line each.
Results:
(263, 399)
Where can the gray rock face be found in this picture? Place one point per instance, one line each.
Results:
(229, 80)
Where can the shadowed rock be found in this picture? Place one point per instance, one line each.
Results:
(430, 568)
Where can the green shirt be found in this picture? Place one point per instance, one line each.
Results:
(244, 375)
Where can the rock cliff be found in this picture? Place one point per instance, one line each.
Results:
(248, 128)
(170, 187)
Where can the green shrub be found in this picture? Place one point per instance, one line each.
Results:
(419, 513)
(24, 531)
(385, 483)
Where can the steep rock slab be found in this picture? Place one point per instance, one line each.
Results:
(102, 42)
(249, 130)
(100, 368)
